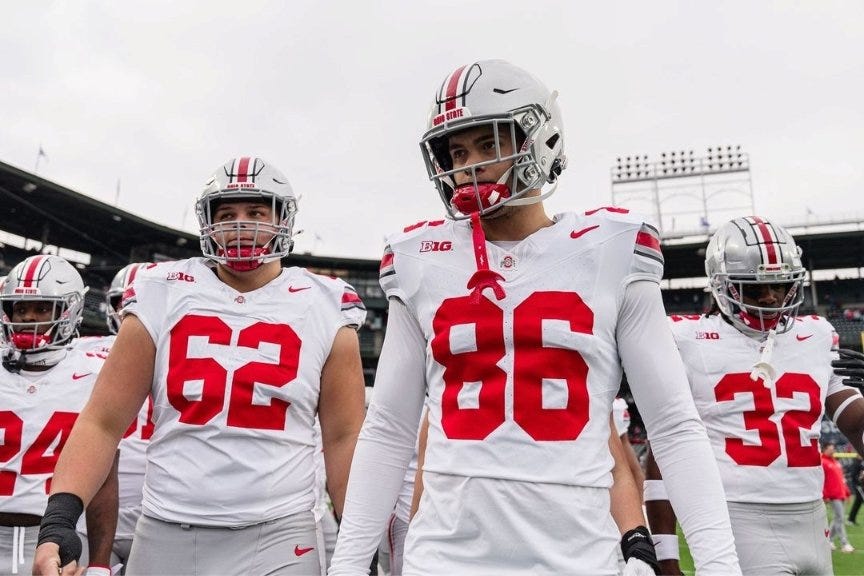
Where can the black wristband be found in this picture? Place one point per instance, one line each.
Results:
(58, 525)
(636, 543)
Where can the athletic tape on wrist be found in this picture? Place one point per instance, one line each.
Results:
(666, 546)
(58, 525)
(843, 405)
(654, 490)
(97, 571)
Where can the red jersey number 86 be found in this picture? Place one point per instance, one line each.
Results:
(532, 363)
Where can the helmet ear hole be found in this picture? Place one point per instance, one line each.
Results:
(441, 153)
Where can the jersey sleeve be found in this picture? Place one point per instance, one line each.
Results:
(352, 307)
(387, 275)
(647, 260)
(145, 299)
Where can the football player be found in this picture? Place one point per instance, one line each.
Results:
(239, 354)
(762, 378)
(44, 384)
(133, 446)
(518, 324)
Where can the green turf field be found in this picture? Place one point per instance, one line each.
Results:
(844, 564)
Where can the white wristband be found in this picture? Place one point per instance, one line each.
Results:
(97, 571)
(666, 546)
(654, 490)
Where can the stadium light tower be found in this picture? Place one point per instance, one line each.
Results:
(684, 184)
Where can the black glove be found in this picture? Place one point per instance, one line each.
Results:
(851, 367)
(636, 543)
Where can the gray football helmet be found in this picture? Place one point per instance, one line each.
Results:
(751, 251)
(122, 280)
(247, 179)
(50, 279)
(519, 108)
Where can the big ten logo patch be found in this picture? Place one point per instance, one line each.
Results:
(436, 246)
(707, 336)
(181, 276)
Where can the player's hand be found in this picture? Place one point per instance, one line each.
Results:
(670, 568)
(47, 562)
(636, 567)
(850, 366)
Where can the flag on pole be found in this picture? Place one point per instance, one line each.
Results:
(39, 155)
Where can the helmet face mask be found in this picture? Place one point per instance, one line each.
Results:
(515, 108)
(49, 280)
(246, 244)
(755, 275)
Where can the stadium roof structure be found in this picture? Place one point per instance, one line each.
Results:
(42, 210)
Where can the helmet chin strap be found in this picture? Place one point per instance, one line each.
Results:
(763, 369)
(527, 200)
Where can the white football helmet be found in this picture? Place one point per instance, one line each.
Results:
(519, 108)
(122, 280)
(49, 279)
(751, 251)
(230, 243)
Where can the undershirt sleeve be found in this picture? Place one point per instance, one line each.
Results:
(678, 439)
(386, 443)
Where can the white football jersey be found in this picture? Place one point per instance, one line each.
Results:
(133, 450)
(620, 416)
(522, 388)
(38, 411)
(235, 389)
(765, 434)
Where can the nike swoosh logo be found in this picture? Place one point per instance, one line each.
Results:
(802, 338)
(79, 376)
(578, 233)
(501, 91)
(298, 551)
(293, 289)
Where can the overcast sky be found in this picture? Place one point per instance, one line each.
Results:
(156, 95)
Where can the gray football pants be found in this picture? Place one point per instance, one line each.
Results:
(290, 546)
